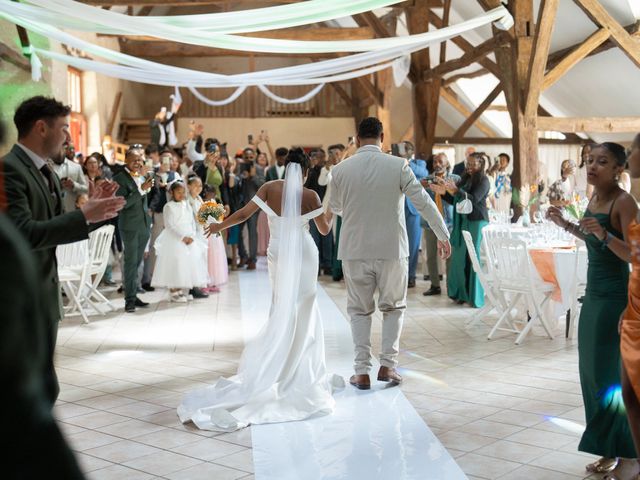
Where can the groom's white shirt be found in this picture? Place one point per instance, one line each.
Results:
(368, 190)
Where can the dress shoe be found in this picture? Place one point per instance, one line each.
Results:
(337, 278)
(426, 278)
(130, 306)
(411, 283)
(141, 290)
(432, 291)
(120, 289)
(251, 266)
(328, 271)
(140, 303)
(198, 293)
(387, 374)
(361, 382)
(148, 288)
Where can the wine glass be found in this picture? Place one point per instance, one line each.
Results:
(538, 216)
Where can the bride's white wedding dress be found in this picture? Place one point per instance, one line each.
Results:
(281, 376)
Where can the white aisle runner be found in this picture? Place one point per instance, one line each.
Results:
(373, 435)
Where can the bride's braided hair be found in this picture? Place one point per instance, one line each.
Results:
(297, 155)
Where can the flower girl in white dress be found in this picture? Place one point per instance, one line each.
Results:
(181, 253)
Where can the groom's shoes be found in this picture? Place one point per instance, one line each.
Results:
(386, 374)
(361, 382)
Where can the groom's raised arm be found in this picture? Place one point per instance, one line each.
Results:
(423, 203)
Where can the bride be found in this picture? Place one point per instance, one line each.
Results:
(281, 376)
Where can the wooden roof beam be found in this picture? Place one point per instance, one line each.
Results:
(454, 78)
(473, 118)
(299, 33)
(500, 141)
(176, 49)
(12, 56)
(451, 98)
(173, 3)
(589, 124)
(538, 62)
(572, 58)
(471, 56)
(465, 45)
(599, 15)
(556, 57)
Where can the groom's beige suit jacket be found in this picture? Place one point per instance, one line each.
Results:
(368, 190)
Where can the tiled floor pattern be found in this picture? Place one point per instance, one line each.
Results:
(503, 411)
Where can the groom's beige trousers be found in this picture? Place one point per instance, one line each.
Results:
(363, 278)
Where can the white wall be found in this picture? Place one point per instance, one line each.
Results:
(283, 132)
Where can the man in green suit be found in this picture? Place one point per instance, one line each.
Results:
(34, 204)
(276, 172)
(134, 223)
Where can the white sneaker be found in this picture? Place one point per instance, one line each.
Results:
(177, 297)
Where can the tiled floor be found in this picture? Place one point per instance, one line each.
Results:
(503, 411)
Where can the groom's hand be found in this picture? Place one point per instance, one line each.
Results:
(444, 249)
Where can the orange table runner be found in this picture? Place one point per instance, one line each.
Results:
(544, 262)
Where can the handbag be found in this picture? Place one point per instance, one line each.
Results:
(464, 207)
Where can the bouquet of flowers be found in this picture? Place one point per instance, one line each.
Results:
(577, 207)
(210, 212)
(525, 196)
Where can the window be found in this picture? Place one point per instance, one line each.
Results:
(74, 89)
(78, 125)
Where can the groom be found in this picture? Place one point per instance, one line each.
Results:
(368, 191)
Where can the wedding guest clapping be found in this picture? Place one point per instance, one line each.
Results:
(71, 177)
(34, 197)
(463, 284)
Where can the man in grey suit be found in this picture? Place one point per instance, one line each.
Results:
(368, 191)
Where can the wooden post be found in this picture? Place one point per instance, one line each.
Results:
(360, 105)
(426, 94)
(113, 114)
(383, 112)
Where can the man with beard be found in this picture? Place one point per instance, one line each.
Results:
(72, 179)
(34, 204)
(439, 176)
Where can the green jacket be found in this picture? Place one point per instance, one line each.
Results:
(31, 440)
(135, 214)
(41, 222)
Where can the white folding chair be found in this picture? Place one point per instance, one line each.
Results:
(496, 300)
(579, 287)
(489, 239)
(99, 251)
(73, 272)
(517, 277)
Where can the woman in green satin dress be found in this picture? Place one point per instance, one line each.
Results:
(610, 211)
(463, 284)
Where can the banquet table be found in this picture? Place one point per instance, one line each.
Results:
(554, 260)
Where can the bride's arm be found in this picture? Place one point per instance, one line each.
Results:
(323, 222)
(240, 216)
